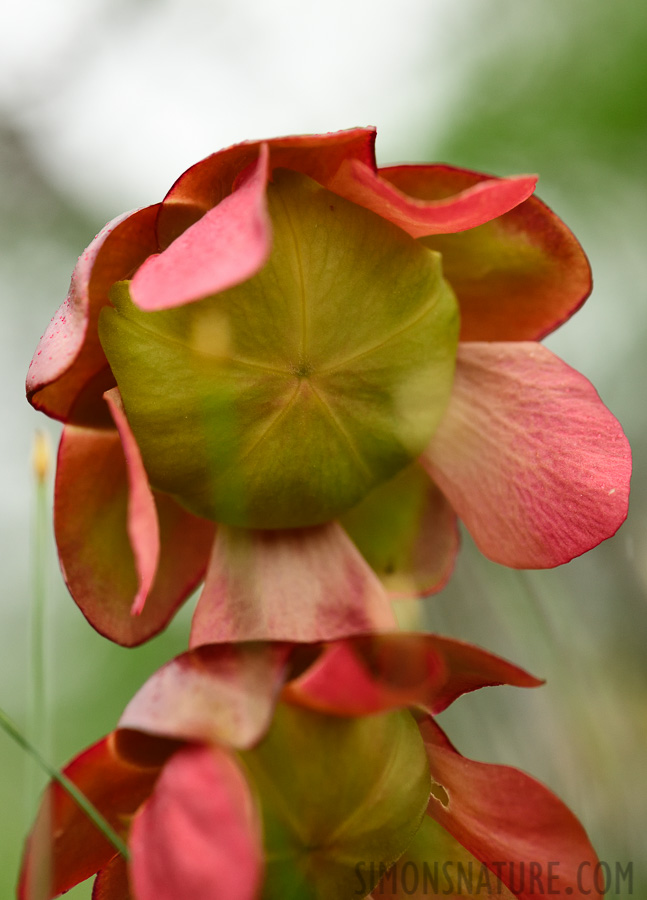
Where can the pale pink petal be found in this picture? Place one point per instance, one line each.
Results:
(228, 245)
(198, 836)
(474, 206)
(218, 694)
(529, 457)
(306, 584)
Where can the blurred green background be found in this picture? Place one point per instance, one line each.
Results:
(103, 104)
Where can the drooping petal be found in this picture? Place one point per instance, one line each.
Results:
(217, 694)
(69, 371)
(373, 673)
(93, 513)
(142, 524)
(517, 277)
(529, 457)
(205, 184)
(78, 850)
(112, 882)
(407, 532)
(467, 208)
(468, 668)
(336, 793)
(307, 584)
(228, 245)
(198, 836)
(503, 816)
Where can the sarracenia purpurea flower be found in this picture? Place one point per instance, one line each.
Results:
(261, 380)
(305, 772)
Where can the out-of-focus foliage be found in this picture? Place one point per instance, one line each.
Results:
(560, 89)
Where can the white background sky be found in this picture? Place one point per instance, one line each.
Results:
(121, 98)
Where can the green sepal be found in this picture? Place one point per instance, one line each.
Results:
(283, 401)
(337, 796)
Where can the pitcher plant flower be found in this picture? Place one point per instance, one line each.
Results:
(280, 771)
(262, 375)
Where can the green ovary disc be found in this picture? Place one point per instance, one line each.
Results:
(283, 401)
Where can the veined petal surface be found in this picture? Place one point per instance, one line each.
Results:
(308, 584)
(529, 457)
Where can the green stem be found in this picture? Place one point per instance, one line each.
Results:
(38, 724)
(78, 796)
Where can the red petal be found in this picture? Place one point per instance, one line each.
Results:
(112, 882)
(517, 277)
(502, 815)
(78, 849)
(69, 371)
(370, 674)
(468, 668)
(306, 584)
(374, 673)
(467, 208)
(205, 184)
(228, 245)
(222, 694)
(93, 512)
(198, 836)
(529, 457)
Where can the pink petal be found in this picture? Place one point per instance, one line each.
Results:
(69, 371)
(229, 244)
(142, 526)
(306, 584)
(468, 208)
(78, 849)
(198, 836)
(529, 457)
(222, 693)
(369, 674)
(517, 277)
(101, 503)
(501, 815)
(205, 184)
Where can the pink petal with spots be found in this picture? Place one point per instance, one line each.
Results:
(307, 584)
